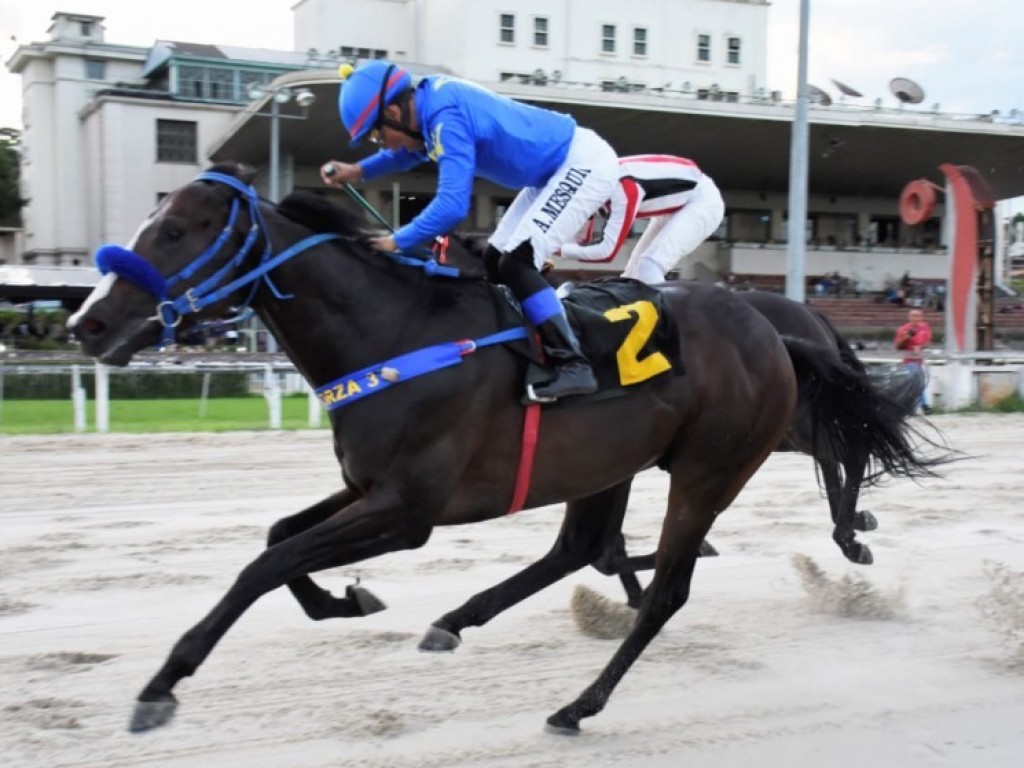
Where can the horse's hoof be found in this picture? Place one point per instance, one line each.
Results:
(860, 554)
(864, 521)
(706, 550)
(152, 714)
(367, 601)
(562, 724)
(438, 639)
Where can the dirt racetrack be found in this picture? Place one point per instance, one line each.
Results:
(113, 545)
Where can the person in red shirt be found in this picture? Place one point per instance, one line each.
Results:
(912, 338)
(682, 202)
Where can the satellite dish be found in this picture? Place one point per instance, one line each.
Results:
(906, 90)
(846, 90)
(818, 96)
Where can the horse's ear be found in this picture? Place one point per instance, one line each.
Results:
(245, 173)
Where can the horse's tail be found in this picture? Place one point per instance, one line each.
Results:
(902, 386)
(857, 422)
(846, 352)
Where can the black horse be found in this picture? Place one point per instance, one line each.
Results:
(442, 449)
(887, 444)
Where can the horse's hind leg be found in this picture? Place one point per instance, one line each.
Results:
(682, 532)
(316, 601)
(616, 561)
(589, 525)
(848, 520)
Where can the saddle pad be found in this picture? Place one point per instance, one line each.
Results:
(625, 330)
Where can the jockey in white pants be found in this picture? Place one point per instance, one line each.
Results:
(684, 205)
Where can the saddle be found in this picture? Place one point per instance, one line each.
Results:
(624, 328)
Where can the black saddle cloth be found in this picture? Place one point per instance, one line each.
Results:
(602, 337)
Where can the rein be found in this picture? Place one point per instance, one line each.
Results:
(129, 265)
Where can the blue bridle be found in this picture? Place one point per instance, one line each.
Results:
(134, 268)
(170, 311)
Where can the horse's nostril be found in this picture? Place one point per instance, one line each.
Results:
(90, 326)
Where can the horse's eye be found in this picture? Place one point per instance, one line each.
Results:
(173, 233)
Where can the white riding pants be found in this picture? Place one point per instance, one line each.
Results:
(551, 215)
(671, 237)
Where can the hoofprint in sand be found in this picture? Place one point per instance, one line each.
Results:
(114, 545)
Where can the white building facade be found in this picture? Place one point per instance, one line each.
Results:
(715, 46)
(109, 129)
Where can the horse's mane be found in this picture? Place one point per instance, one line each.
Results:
(318, 214)
(310, 209)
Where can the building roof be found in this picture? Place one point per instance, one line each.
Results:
(743, 146)
(165, 50)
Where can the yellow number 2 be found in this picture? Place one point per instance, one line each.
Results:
(632, 369)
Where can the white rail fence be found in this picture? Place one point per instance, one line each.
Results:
(954, 383)
(273, 381)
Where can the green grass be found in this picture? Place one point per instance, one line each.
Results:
(1011, 404)
(38, 417)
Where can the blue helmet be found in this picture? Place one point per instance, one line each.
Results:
(365, 93)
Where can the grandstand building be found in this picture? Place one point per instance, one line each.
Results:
(109, 129)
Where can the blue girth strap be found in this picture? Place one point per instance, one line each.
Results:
(380, 376)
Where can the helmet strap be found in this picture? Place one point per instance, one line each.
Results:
(404, 102)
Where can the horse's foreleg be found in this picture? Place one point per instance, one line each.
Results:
(589, 525)
(367, 528)
(317, 602)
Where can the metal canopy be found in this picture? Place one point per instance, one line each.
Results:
(744, 147)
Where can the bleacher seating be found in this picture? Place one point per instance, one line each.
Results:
(870, 313)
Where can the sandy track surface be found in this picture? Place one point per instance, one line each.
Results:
(114, 545)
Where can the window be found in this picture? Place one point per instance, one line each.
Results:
(176, 141)
(607, 38)
(95, 69)
(221, 84)
(192, 82)
(704, 48)
(85, 28)
(733, 52)
(507, 28)
(639, 41)
(540, 31)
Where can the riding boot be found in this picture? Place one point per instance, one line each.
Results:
(541, 305)
(573, 374)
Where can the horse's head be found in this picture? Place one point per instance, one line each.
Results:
(193, 234)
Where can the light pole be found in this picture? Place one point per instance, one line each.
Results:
(279, 95)
(797, 229)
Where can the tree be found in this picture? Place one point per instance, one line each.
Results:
(11, 201)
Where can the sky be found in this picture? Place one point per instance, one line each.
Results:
(967, 56)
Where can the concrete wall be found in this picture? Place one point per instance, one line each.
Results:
(124, 176)
(375, 24)
(57, 150)
(874, 269)
(574, 44)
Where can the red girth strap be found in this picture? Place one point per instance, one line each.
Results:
(440, 248)
(531, 429)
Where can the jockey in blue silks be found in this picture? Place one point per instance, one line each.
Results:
(564, 173)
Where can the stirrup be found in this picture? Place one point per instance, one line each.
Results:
(533, 397)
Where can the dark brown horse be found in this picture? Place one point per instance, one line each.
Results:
(442, 449)
(880, 440)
